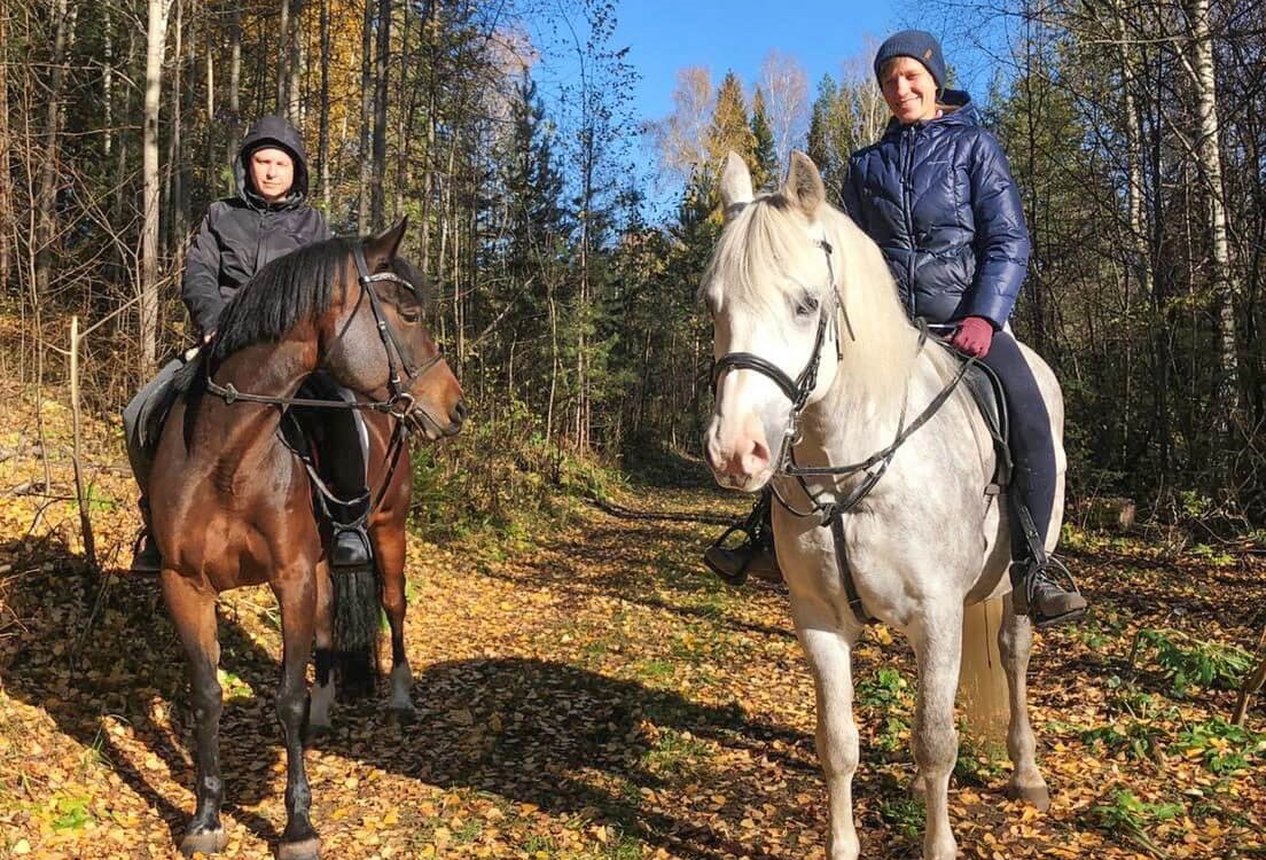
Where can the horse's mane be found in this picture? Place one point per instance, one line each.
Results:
(285, 292)
(760, 253)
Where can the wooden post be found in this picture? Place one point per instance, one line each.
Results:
(85, 523)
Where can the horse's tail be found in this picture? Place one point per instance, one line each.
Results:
(356, 629)
(982, 684)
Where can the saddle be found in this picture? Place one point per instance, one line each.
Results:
(987, 391)
(333, 445)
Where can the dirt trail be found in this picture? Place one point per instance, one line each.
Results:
(595, 693)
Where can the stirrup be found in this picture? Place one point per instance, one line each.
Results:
(715, 556)
(350, 548)
(1052, 570)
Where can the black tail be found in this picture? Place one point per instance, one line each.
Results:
(356, 630)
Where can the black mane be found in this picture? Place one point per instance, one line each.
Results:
(287, 291)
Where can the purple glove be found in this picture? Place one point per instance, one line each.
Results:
(973, 336)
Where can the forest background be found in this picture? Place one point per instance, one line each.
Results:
(566, 295)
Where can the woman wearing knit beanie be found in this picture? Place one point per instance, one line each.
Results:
(936, 194)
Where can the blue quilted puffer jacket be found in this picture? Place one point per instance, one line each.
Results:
(939, 200)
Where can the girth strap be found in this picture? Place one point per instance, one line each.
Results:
(846, 572)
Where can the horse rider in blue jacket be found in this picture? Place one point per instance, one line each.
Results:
(937, 196)
(270, 216)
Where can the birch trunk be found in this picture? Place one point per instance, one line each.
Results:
(155, 47)
(1224, 280)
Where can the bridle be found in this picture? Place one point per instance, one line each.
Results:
(399, 402)
(798, 392)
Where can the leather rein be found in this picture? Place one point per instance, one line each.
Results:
(798, 392)
(399, 402)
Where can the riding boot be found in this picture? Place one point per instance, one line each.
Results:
(1041, 587)
(145, 556)
(350, 547)
(754, 556)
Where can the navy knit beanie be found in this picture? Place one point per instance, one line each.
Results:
(918, 45)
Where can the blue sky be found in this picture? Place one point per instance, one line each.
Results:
(667, 35)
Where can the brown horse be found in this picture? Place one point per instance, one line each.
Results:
(233, 505)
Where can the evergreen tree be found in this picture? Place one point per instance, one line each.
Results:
(730, 130)
(765, 167)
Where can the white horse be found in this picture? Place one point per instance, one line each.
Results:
(818, 366)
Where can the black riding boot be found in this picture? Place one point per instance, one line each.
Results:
(1041, 587)
(754, 556)
(145, 556)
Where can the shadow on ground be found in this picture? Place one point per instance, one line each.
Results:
(531, 731)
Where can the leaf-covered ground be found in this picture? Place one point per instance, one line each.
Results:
(591, 692)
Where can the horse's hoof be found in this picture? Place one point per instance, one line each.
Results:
(304, 849)
(1034, 795)
(204, 841)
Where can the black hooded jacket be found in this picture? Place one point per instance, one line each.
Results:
(240, 234)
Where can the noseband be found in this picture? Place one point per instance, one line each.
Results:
(799, 389)
(399, 402)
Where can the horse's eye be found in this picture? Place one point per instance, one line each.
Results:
(410, 315)
(806, 306)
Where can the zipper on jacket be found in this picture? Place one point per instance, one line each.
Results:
(907, 209)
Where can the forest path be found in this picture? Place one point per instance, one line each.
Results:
(593, 692)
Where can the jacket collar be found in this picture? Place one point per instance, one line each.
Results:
(957, 110)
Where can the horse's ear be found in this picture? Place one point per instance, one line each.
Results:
(804, 187)
(736, 186)
(383, 247)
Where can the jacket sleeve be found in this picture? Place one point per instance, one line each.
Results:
(200, 287)
(1002, 239)
(853, 193)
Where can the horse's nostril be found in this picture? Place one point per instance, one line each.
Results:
(459, 411)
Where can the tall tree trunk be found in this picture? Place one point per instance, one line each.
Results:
(50, 169)
(283, 52)
(6, 200)
(294, 98)
(380, 113)
(366, 112)
(234, 138)
(1224, 279)
(323, 138)
(155, 47)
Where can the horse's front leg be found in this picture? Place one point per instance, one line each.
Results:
(1015, 642)
(937, 638)
(323, 691)
(297, 594)
(389, 546)
(192, 609)
(829, 649)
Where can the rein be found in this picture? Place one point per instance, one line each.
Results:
(798, 391)
(398, 404)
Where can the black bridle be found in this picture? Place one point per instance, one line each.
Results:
(399, 402)
(798, 392)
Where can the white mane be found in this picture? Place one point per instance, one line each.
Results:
(756, 263)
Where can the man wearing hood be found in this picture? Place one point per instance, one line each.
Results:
(268, 218)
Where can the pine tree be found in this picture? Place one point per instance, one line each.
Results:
(730, 130)
(765, 167)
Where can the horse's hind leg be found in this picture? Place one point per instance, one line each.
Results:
(192, 609)
(296, 593)
(323, 692)
(830, 650)
(389, 544)
(1015, 641)
(937, 641)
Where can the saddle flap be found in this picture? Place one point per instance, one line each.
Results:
(987, 391)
